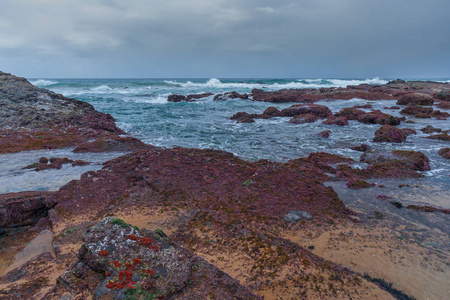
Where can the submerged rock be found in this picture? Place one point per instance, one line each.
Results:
(109, 144)
(325, 134)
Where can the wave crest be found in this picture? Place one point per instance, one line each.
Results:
(43, 82)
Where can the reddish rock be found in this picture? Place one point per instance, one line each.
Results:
(392, 107)
(332, 120)
(176, 98)
(444, 152)
(313, 95)
(272, 112)
(320, 111)
(363, 106)
(443, 137)
(414, 160)
(378, 117)
(327, 158)
(41, 119)
(390, 134)
(416, 110)
(392, 169)
(243, 117)
(409, 131)
(325, 134)
(443, 95)
(24, 208)
(357, 184)
(137, 262)
(430, 129)
(303, 118)
(443, 105)
(415, 99)
(54, 163)
(206, 179)
(361, 148)
(351, 113)
(440, 115)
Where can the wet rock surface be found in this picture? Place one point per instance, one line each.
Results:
(389, 134)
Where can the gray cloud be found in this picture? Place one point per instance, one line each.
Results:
(225, 38)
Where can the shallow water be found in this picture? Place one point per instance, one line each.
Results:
(14, 178)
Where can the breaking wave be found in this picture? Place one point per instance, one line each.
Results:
(275, 85)
(43, 82)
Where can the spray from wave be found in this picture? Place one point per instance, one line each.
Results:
(294, 84)
(43, 82)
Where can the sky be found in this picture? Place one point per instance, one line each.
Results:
(225, 38)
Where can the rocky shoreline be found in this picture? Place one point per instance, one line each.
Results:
(211, 225)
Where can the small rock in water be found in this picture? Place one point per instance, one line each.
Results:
(296, 215)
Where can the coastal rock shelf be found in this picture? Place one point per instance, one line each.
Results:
(135, 221)
(33, 118)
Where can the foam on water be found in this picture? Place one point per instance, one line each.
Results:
(43, 82)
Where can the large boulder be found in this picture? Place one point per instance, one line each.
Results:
(332, 120)
(141, 264)
(417, 111)
(351, 113)
(320, 111)
(390, 134)
(415, 99)
(378, 117)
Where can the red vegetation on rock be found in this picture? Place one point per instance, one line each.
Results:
(325, 134)
(339, 121)
(319, 111)
(387, 133)
(378, 117)
(415, 99)
(303, 118)
(103, 252)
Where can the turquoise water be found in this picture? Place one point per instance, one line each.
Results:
(140, 107)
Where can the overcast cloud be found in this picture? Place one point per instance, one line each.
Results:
(225, 38)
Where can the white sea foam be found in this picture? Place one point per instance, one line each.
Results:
(43, 82)
(102, 89)
(299, 83)
(158, 99)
